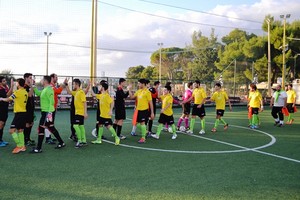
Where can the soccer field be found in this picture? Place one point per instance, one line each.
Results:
(237, 164)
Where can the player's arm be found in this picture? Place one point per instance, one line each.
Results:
(36, 91)
(131, 95)
(10, 91)
(151, 109)
(87, 88)
(112, 105)
(271, 101)
(7, 99)
(165, 108)
(188, 100)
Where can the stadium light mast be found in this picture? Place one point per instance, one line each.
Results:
(93, 65)
(284, 17)
(160, 45)
(269, 58)
(47, 51)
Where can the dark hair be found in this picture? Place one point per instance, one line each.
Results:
(168, 88)
(218, 85)
(168, 83)
(147, 81)
(26, 75)
(103, 81)
(121, 80)
(156, 83)
(252, 85)
(197, 81)
(1, 78)
(52, 75)
(47, 78)
(291, 85)
(190, 84)
(142, 81)
(104, 85)
(77, 81)
(21, 81)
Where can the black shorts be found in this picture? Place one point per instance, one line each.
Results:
(220, 112)
(186, 108)
(19, 121)
(165, 119)
(104, 121)
(290, 107)
(120, 113)
(143, 116)
(43, 121)
(200, 112)
(79, 119)
(3, 115)
(255, 111)
(29, 116)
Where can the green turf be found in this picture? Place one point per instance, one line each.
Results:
(107, 171)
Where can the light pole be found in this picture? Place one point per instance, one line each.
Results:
(269, 59)
(295, 64)
(284, 17)
(47, 53)
(160, 45)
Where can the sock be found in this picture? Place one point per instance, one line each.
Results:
(281, 122)
(203, 123)
(143, 130)
(119, 129)
(173, 129)
(82, 131)
(277, 120)
(21, 139)
(16, 138)
(100, 133)
(112, 130)
(115, 126)
(133, 129)
(192, 124)
(97, 129)
(26, 134)
(167, 126)
(40, 141)
(72, 131)
(150, 125)
(250, 121)
(186, 121)
(290, 117)
(217, 123)
(254, 120)
(179, 122)
(159, 129)
(56, 134)
(78, 132)
(1, 134)
(223, 121)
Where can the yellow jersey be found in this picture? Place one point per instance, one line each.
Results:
(167, 99)
(79, 100)
(143, 97)
(105, 102)
(199, 95)
(20, 97)
(220, 97)
(255, 99)
(291, 96)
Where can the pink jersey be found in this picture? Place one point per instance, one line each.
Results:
(188, 93)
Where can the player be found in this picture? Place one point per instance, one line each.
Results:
(255, 103)
(199, 96)
(106, 107)
(155, 95)
(5, 92)
(18, 124)
(46, 120)
(80, 112)
(120, 112)
(166, 113)
(30, 106)
(186, 108)
(220, 97)
(291, 102)
(144, 101)
(278, 101)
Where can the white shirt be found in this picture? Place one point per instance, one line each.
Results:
(280, 102)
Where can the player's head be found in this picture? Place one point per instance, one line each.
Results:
(218, 86)
(147, 83)
(190, 85)
(122, 81)
(28, 78)
(46, 80)
(168, 88)
(253, 87)
(156, 83)
(104, 86)
(76, 83)
(278, 87)
(196, 83)
(53, 78)
(20, 82)
(169, 83)
(2, 81)
(290, 86)
(142, 83)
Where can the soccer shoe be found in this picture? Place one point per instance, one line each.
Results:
(36, 150)
(49, 141)
(60, 145)
(142, 141)
(133, 134)
(155, 136)
(117, 140)
(2, 144)
(276, 123)
(78, 145)
(174, 136)
(190, 132)
(30, 143)
(23, 148)
(226, 127)
(214, 130)
(96, 142)
(202, 132)
(279, 125)
(74, 138)
(149, 135)
(16, 150)
(122, 137)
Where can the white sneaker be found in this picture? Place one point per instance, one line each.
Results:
(202, 132)
(174, 136)
(190, 132)
(155, 136)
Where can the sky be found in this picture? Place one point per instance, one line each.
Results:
(128, 30)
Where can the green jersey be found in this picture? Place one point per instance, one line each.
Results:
(46, 98)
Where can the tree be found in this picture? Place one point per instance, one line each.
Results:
(135, 72)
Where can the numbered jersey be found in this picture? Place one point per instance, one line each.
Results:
(20, 98)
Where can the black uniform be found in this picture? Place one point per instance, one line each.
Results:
(120, 112)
